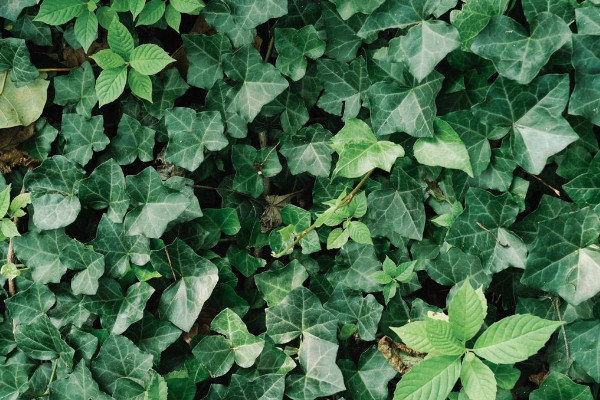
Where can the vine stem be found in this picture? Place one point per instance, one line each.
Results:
(65, 69)
(564, 332)
(10, 257)
(269, 48)
(341, 204)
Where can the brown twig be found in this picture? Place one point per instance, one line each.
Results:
(65, 69)
(564, 333)
(170, 263)
(556, 191)
(505, 245)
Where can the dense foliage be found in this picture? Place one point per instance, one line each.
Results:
(269, 199)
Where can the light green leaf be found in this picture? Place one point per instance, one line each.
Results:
(440, 335)
(190, 133)
(110, 84)
(86, 29)
(414, 335)
(58, 12)
(431, 379)
(360, 151)
(107, 59)
(477, 378)
(21, 105)
(188, 6)
(445, 149)
(467, 311)
(149, 59)
(514, 338)
(119, 39)
(151, 13)
(516, 54)
(140, 85)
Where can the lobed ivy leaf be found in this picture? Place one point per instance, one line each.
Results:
(294, 47)
(83, 137)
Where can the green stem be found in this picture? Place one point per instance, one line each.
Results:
(564, 333)
(269, 48)
(341, 204)
(55, 69)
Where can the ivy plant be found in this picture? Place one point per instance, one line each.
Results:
(299, 199)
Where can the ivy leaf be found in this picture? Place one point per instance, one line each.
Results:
(557, 386)
(507, 44)
(474, 16)
(347, 8)
(53, 186)
(77, 87)
(584, 339)
(133, 141)
(41, 340)
(164, 92)
(355, 266)
(259, 83)
(15, 381)
(40, 251)
(300, 313)
(445, 149)
(393, 14)
(569, 268)
(190, 132)
(245, 346)
(404, 105)
(586, 63)
(76, 385)
(30, 304)
(433, 378)
(342, 39)
(14, 55)
(153, 335)
(309, 151)
(26, 28)
(322, 377)
(265, 387)
(251, 166)
(424, 46)
(120, 358)
(195, 278)
(205, 54)
(155, 205)
(360, 151)
(514, 338)
(351, 308)
(294, 46)
(477, 378)
(275, 283)
(369, 379)
(239, 21)
(76, 256)
(119, 249)
(345, 86)
(11, 10)
(84, 136)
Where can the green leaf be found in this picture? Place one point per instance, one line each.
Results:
(342, 39)
(119, 249)
(21, 105)
(245, 346)
(119, 39)
(300, 313)
(275, 283)
(140, 85)
(351, 308)
(78, 384)
(192, 7)
(41, 340)
(369, 379)
(584, 100)
(239, 22)
(41, 253)
(195, 278)
(445, 149)
(165, 91)
(120, 358)
(173, 17)
(466, 311)
(477, 378)
(507, 44)
(205, 54)
(153, 335)
(214, 353)
(133, 141)
(440, 335)
(58, 12)
(345, 86)
(28, 305)
(77, 87)
(294, 46)
(251, 166)
(567, 270)
(53, 187)
(79, 257)
(514, 338)
(424, 46)
(149, 59)
(360, 151)
(322, 377)
(414, 335)
(258, 83)
(14, 381)
(14, 55)
(12, 10)
(86, 29)
(107, 59)
(474, 16)
(557, 386)
(155, 205)
(110, 84)
(26, 28)
(347, 8)
(583, 338)
(359, 232)
(309, 151)
(431, 379)
(265, 387)
(190, 133)
(83, 137)
(355, 265)
(337, 238)
(119, 309)
(151, 13)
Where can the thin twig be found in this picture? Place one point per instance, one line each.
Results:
(505, 245)
(343, 203)
(65, 69)
(170, 263)
(564, 332)
(269, 48)
(556, 191)
(10, 257)
(269, 154)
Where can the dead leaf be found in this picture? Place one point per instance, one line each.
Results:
(12, 137)
(15, 158)
(399, 356)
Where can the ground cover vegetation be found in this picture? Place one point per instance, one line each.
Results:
(299, 199)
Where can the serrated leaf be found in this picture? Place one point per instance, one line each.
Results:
(119, 39)
(86, 29)
(414, 335)
(110, 84)
(151, 13)
(441, 337)
(466, 311)
(140, 85)
(149, 59)
(514, 338)
(477, 378)
(58, 12)
(431, 379)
